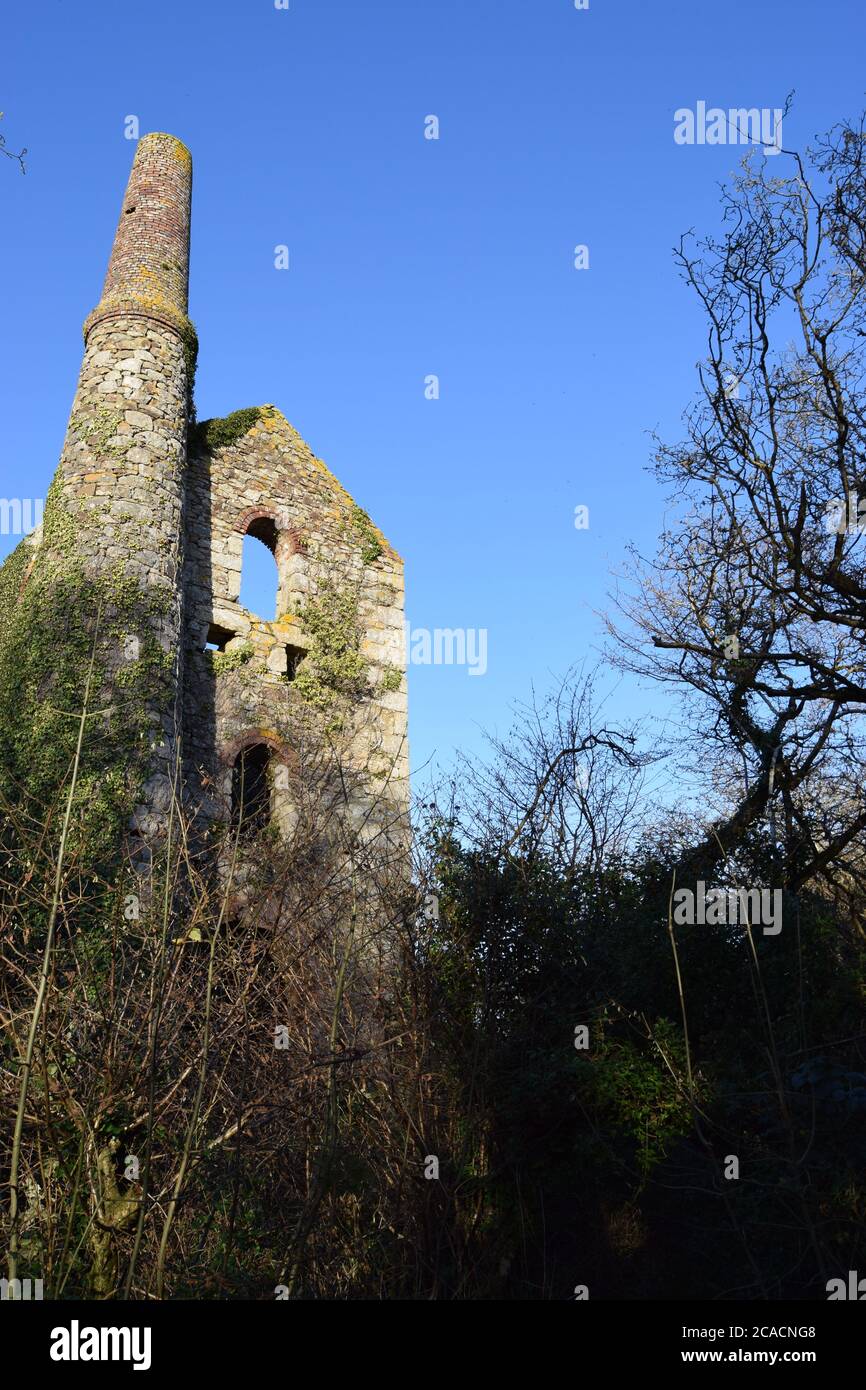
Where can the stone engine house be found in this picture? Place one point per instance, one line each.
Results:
(174, 502)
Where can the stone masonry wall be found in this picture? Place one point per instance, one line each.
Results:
(270, 482)
(122, 474)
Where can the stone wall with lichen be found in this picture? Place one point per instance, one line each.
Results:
(122, 477)
(336, 648)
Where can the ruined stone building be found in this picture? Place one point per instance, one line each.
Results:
(151, 511)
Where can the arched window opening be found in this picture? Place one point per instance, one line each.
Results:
(260, 578)
(251, 789)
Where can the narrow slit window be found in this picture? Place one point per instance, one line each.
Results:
(294, 657)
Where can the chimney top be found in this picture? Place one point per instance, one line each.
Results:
(148, 273)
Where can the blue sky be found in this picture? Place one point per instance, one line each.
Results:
(411, 257)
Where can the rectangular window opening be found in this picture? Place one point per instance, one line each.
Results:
(218, 638)
(294, 657)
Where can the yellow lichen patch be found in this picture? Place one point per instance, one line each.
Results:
(175, 146)
(180, 151)
(274, 421)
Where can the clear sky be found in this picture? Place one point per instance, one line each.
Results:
(412, 257)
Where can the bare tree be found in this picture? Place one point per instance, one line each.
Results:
(756, 599)
(565, 780)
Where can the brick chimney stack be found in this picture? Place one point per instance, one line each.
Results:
(148, 274)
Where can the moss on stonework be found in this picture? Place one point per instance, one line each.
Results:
(222, 432)
(190, 356)
(391, 680)
(50, 604)
(371, 546)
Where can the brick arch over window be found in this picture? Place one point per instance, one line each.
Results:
(242, 753)
(264, 524)
(285, 544)
(282, 752)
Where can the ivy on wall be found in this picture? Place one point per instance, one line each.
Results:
(334, 671)
(53, 611)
